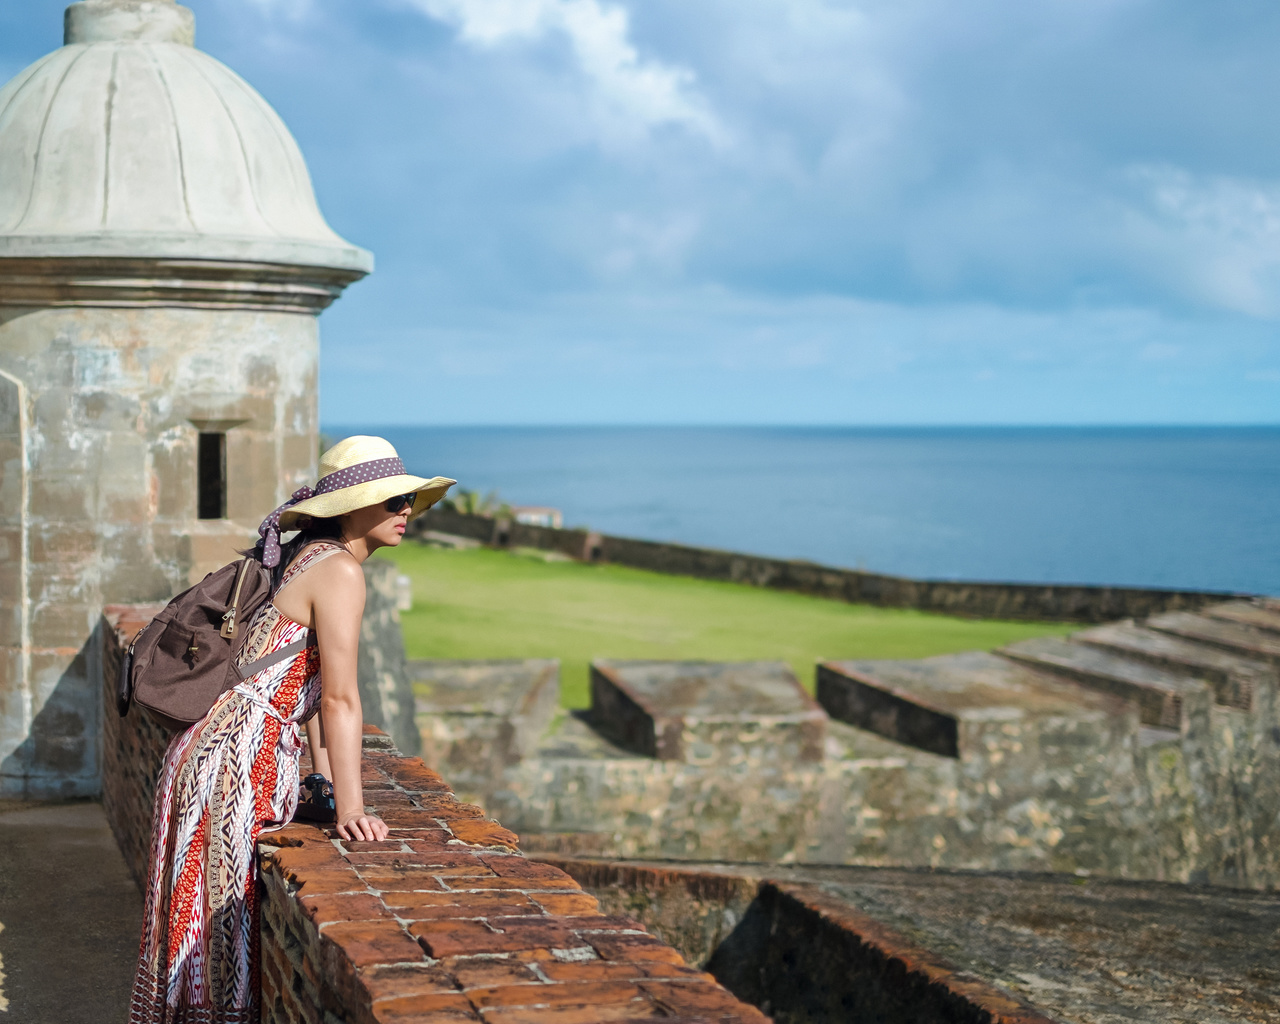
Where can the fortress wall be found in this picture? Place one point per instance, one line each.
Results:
(445, 920)
(917, 946)
(1095, 798)
(1043, 772)
(386, 694)
(1028, 601)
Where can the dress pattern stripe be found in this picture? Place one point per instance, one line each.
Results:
(224, 781)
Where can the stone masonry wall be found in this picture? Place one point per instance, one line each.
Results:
(100, 411)
(1039, 772)
(385, 691)
(1042, 602)
(446, 921)
(795, 952)
(838, 944)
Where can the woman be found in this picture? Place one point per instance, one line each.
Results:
(234, 774)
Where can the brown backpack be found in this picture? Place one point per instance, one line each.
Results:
(185, 658)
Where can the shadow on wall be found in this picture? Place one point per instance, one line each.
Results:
(59, 757)
(386, 692)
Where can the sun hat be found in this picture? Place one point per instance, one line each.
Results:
(357, 471)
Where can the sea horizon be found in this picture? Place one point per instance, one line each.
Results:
(1185, 506)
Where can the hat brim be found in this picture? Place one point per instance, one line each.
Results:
(371, 492)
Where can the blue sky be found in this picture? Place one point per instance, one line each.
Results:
(783, 211)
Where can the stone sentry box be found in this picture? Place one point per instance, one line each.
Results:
(162, 262)
(750, 713)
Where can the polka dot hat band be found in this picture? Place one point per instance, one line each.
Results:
(356, 472)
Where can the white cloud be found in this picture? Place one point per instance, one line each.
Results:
(633, 92)
(1222, 233)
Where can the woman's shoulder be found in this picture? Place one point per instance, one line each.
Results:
(325, 562)
(338, 568)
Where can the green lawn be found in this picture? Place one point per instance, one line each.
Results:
(494, 604)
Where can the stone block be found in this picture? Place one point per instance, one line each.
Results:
(214, 543)
(477, 717)
(1233, 676)
(1248, 613)
(1159, 692)
(386, 693)
(10, 619)
(53, 625)
(123, 478)
(943, 704)
(53, 417)
(254, 477)
(61, 496)
(62, 742)
(15, 702)
(107, 410)
(57, 543)
(746, 714)
(173, 474)
(299, 452)
(1232, 636)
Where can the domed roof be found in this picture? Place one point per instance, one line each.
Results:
(129, 142)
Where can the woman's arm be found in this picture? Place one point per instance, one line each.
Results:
(338, 605)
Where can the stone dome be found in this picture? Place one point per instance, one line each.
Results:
(129, 142)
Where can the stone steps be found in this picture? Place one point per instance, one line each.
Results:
(945, 704)
(1221, 633)
(1233, 676)
(1158, 691)
(1247, 613)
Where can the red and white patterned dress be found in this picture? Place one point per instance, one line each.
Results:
(224, 781)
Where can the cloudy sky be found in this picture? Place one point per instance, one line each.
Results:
(781, 211)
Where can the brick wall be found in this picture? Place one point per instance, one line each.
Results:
(445, 921)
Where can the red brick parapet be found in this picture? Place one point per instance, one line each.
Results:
(446, 921)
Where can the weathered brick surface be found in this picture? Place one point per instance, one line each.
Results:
(444, 921)
(455, 928)
(926, 947)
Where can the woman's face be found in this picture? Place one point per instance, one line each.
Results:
(377, 524)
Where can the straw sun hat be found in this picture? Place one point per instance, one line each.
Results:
(355, 472)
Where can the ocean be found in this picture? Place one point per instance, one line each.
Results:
(1162, 507)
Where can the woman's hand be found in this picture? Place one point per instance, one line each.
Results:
(357, 826)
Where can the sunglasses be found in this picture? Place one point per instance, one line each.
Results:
(397, 504)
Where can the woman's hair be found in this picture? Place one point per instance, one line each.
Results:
(311, 530)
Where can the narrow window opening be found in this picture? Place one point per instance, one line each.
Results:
(211, 476)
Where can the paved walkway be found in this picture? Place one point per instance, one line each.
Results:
(70, 915)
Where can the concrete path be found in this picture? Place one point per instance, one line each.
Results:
(70, 914)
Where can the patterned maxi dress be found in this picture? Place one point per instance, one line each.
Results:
(224, 781)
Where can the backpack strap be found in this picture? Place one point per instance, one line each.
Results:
(322, 550)
(275, 657)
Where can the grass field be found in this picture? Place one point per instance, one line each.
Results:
(495, 604)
